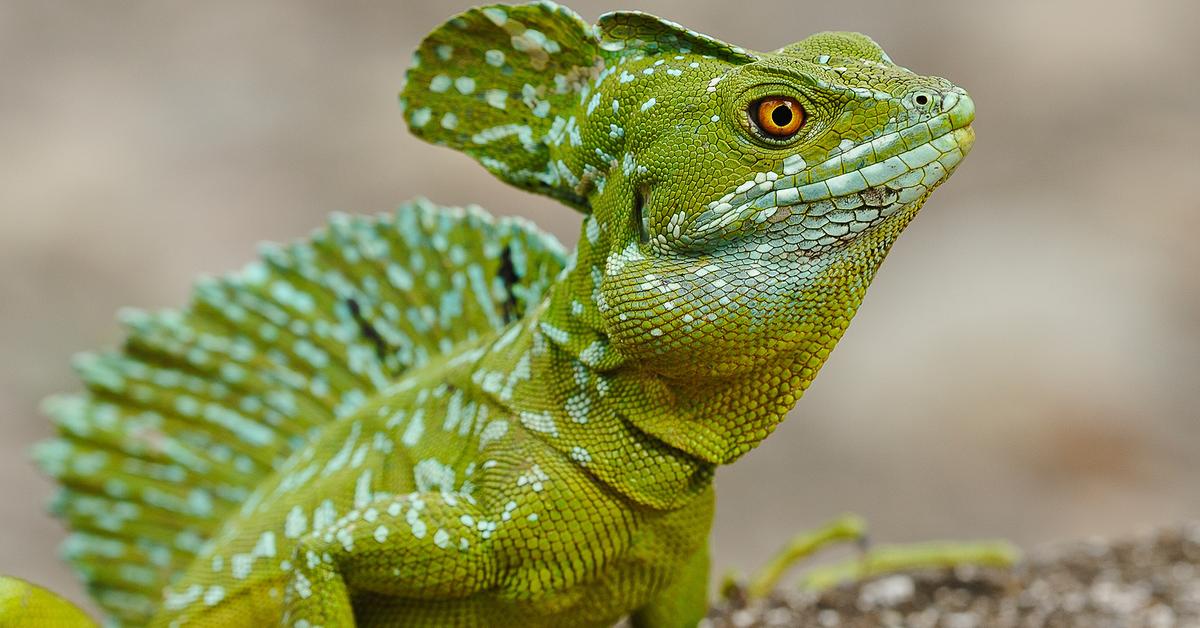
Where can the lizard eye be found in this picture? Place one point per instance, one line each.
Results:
(780, 117)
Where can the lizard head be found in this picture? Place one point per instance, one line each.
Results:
(761, 196)
(737, 203)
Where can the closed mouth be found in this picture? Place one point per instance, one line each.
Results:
(851, 191)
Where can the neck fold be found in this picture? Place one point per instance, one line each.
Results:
(556, 373)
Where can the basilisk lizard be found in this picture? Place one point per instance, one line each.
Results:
(438, 418)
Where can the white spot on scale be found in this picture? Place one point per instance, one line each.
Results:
(241, 565)
(439, 83)
(362, 490)
(540, 422)
(493, 432)
(414, 430)
(580, 455)
(578, 407)
(554, 333)
(418, 527)
(430, 474)
(265, 548)
(343, 455)
(214, 594)
(496, 15)
(295, 524)
(302, 586)
(464, 84)
(592, 229)
(346, 539)
(360, 456)
(176, 601)
(533, 478)
(324, 515)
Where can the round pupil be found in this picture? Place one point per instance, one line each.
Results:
(922, 99)
(781, 116)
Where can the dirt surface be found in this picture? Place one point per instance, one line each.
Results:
(1151, 580)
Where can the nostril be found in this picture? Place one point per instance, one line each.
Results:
(962, 113)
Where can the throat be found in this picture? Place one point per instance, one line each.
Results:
(554, 372)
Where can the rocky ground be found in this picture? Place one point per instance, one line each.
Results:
(1151, 580)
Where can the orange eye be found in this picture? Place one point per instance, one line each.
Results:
(779, 116)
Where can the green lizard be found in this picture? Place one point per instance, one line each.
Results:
(437, 418)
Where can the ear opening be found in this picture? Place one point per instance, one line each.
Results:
(641, 221)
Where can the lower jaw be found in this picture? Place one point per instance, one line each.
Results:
(965, 137)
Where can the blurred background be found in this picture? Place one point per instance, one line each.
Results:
(1026, 365)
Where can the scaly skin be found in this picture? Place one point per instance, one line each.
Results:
(25, 604)
(442, 420)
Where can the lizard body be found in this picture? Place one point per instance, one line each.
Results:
(438, 418)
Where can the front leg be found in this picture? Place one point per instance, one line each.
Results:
(420, 545)
(684, 603)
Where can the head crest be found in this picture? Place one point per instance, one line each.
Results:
(510, 85)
